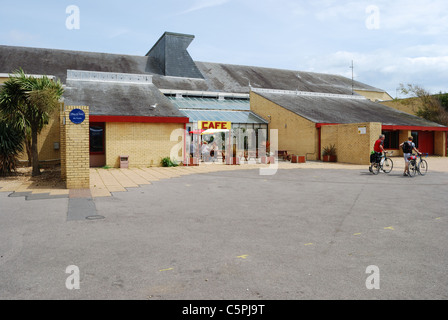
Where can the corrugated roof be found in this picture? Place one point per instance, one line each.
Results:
(120, 99)
(322, 109)
(57, 62)
(218, 77)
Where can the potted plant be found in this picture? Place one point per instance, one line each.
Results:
(329, 154)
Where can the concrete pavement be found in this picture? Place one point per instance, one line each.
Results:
(300, 234)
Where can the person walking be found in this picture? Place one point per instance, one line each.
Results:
(408, 147)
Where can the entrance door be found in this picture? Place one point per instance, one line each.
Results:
(97, 145)
(426, 142)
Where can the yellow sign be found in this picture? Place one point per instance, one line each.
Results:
(205, 125)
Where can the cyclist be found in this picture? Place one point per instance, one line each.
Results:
(379, 148)
(408, 147)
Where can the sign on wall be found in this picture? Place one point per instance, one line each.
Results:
(206, 125)
(77, 116)
(362, 130)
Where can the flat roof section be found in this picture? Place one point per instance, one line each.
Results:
(120, 99)
(211, 104)
(241, 117)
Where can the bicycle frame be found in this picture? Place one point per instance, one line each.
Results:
(380, 165)
(416, 162)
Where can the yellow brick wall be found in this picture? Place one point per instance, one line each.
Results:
(440, 143)
(75, 150)
(329, 136)
(297, 135)
(352, 147)
(146, 144)
(46, 139)
(374, 95)
(63, 143)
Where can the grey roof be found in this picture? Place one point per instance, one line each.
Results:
(323, 109)
(176, 72)
(120, 99)
(57, 62)
(236, 78)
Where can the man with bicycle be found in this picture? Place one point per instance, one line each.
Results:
(379, 148)
(408, 147)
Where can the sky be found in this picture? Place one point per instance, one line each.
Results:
(389, 41)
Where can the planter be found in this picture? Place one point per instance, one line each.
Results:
(298, 159)
(233, 161)
(267, 160)
(192, 162)
(329, 158)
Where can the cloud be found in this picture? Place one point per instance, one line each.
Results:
(386, 69)
(204, 4)
(118, 32)
(425, 17)
(17, 36)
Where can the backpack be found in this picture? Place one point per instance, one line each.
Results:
(407, 147)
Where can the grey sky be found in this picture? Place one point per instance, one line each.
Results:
(391, 42)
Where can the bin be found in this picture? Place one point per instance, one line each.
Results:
(298, 159)
(124, 162)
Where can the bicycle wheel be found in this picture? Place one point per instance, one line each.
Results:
(375, 168)
(388, 165)
(412, 169)
(423, 167)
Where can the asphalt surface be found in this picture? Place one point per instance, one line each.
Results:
(300, 234)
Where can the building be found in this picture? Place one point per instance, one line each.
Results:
(318, 119)
(137, 102)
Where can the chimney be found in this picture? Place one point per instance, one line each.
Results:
(171, 56)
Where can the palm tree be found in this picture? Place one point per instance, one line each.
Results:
(31, 100)
(11, 145)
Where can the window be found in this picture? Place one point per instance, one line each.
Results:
(392, 139)
(97, 138)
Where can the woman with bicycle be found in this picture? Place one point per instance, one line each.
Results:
(408, 147)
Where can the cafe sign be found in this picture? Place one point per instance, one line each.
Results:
(221, 125)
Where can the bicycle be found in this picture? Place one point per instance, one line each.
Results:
(421, 167)
(385, 164)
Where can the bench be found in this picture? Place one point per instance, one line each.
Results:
(283, 154)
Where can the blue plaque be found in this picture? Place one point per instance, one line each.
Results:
(77, 116)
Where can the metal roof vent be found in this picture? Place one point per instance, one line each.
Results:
(171, 55)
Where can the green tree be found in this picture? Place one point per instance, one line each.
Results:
(430, 105)
(11, 145)
(443, 98)
(30, 101)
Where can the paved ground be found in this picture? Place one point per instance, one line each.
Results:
(300, 234)
(105, 182)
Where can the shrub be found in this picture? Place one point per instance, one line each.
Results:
(166, 162)
(11, 145)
